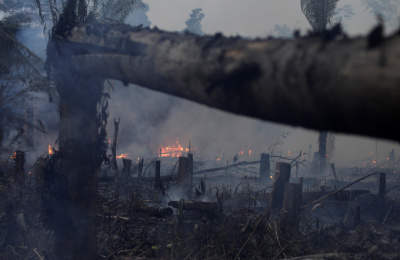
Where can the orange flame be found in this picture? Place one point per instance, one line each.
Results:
(175, 150)
(14, 155)
(123, 155)
(50, 150)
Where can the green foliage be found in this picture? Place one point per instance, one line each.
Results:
(318, 12)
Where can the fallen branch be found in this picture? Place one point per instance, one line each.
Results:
(336, 191)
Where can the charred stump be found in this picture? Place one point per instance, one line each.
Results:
(126, 171)
(185, 170)
(140, 168)
(291, 207)
(265, 171)
(282, 176)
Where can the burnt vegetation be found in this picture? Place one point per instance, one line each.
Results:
(80, 202)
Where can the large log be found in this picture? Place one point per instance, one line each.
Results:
(337, 85)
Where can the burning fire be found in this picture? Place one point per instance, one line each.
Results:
(14, 155)
(50, 150)
(175, 150)
(123, 155)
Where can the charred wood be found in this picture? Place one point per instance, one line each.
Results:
(315, 78)
(282, 176)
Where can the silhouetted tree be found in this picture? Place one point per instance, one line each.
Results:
(319, 13)
(193, 24)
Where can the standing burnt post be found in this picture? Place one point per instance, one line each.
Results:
(157, 180)
(381, 195)
(19, 160)
(265, 171)
(126, 171)
(114, 159)
(140, 168)
(282, 175)
(382, 185)
(291, 207)
(185, 175)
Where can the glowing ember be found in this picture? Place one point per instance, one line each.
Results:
(123, 155)
(14, 155)
(50, 150)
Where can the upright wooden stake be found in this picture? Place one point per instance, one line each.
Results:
(265, 171)
(184, 179)
(126, 171)
(381, 195)
(334, 172)
(382, 185)
(315, 163)
(291, 207)
(140, 168)
(114, 159)
(157, 182)
(282, 175)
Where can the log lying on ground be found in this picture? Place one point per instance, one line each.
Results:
(209, 207)
(339, 85)
(156, 211)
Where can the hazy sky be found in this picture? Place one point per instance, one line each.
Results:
(248, 18)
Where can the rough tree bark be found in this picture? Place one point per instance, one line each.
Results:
(75, 188)
(338, 85)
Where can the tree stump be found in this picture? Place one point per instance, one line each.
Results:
(157, 180)
(282, 175)
(265, 171)
(382, 185)
(140, 168)
(291, 207)
(185, 176)
(126, 171)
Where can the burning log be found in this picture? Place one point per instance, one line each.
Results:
(282, 175)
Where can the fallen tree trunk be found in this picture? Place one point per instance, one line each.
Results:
(337, 85)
